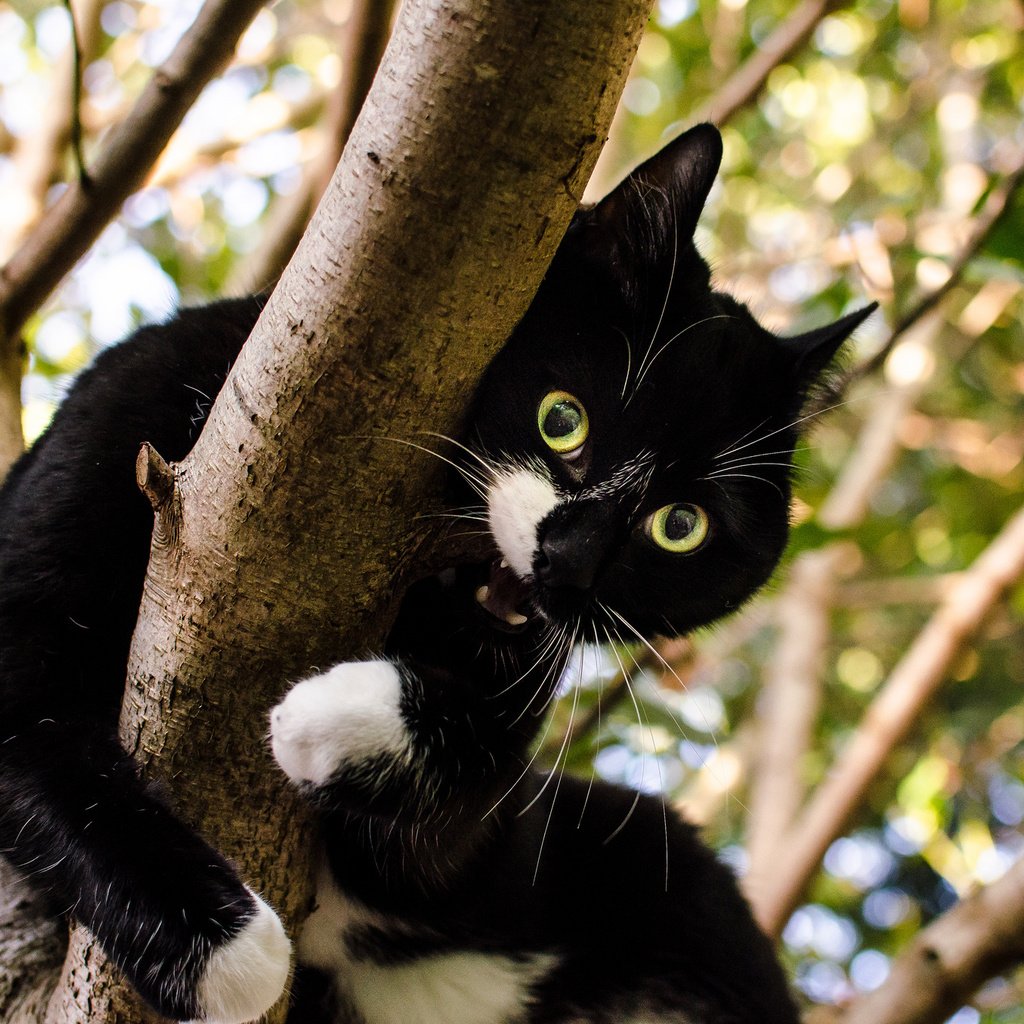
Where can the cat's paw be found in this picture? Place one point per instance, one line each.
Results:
(245, 976)
(349, 714)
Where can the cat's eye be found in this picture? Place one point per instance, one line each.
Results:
(563, 423)
(678, 528)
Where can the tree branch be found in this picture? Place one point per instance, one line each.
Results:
(949, 960)
(789, 702)
(365, 36)
(73, 223)
(995, 207)
(877, 445)
(31, 949)
(455, 188)
(745, 84)
(890, 718)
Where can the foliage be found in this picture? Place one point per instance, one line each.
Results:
(854, 175)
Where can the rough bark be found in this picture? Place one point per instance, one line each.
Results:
(11, 438)
(31, 950)
(286, 535)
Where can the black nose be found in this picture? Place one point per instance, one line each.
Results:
(575, 542)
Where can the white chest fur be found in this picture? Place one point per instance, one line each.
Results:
(446, 988)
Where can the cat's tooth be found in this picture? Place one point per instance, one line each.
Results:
(515, 619)
(483, 593)
(503, 563)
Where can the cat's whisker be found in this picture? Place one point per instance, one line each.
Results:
(761, 455)
(789, 426)
(746, 476)
(560, 759)
(473, 478)
(667, 667)
(668, 295)
(657, 762)
(734, 447)
(529, 765)
(470, 517)
(646, 369)
(597, 731)
(462, 447)
(551, 640)
(629, 361)
(753, 464)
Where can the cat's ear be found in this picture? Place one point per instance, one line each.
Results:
(813, 351)
(655, 208)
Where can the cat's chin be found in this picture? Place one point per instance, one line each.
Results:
(505, 599)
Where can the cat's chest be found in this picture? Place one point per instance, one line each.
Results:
(388, 972)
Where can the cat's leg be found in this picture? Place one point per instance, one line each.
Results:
(165, 907)
(439, 729)
(405, 742)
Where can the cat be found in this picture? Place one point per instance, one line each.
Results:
(630, 453)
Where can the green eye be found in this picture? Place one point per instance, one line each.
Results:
(678, 528)
(563, 423)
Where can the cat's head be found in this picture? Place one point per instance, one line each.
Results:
(638, 429)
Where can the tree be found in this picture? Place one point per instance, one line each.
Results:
(396, 280)
(870, 148)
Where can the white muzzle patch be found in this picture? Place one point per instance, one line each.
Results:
(517, 501)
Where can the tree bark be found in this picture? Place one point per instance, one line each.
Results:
(949, 960)
(285, 536)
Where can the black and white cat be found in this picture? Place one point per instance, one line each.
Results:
(630, 451)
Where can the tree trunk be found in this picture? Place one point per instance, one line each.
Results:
(283, 539)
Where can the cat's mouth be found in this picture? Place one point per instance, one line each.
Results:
(505, 598)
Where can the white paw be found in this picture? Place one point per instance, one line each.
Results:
(347, 714)
(246, 976)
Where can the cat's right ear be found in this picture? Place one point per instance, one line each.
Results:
(654, 210)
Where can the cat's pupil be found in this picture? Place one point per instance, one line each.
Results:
(562, 419)
(680, 523)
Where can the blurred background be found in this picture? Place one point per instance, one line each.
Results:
(875, 155)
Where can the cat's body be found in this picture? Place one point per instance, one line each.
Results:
(631, 449)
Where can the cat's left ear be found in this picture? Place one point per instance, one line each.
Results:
(654, 210)
(813, 351)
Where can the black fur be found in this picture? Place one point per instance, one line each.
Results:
(689, 400)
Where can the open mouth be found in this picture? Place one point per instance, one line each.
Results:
(505, 598)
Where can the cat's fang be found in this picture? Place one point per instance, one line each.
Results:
(515, 619)
(482, 593)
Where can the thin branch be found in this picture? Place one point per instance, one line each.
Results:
(995, 207)
(366, 35)
(746, 83)
(789, 703)
(76, 98)
(896, 590)
(890, 717)
(71, 225)
(878, 445)
(39, 156)
(949, 960)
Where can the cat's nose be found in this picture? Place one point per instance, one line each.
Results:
(574, 544)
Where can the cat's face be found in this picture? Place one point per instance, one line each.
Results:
(639, 427)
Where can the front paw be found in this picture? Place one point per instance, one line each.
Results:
(347, 715)
(245, 976)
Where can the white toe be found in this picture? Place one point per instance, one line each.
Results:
(348, 714)
(246, 976)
